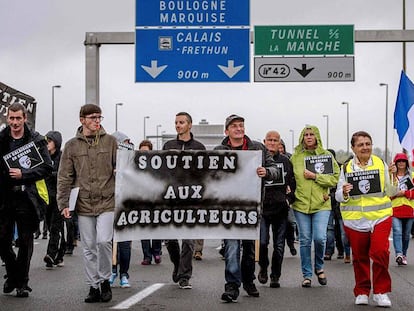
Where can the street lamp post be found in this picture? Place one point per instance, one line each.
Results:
(158, 126)
(293, 139)
(327, 129)
(145, 118)
(53, 105)
(116, 115)
(347, 127)
(386, 120)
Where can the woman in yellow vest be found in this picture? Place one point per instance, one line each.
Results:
(363, 189)
(402, 207)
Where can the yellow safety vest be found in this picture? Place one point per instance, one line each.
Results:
(42, 190)
(370, 207)
(398, 201)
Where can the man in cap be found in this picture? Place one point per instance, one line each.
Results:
(236, 272)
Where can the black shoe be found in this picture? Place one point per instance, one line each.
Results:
(69, 251)
(44, 237)
(22, 292)
(94, 295)
(251, 289)
(322, 280)
(8, 287)
(221, 251)
(184, 284)
(274, 282)
(262, 276)
(327, 257)
(340, 256)
(175, 277)
(293, 251)
(231, 293)
(106, 293)
(49, 261)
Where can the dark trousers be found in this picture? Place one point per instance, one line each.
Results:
(72, 230)
(151, 250)
(20, 210)
(291, 229)
(123, 258)
(54, 220)
(183, 259)
(278, 225)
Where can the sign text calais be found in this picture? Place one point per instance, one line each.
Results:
(190, 41)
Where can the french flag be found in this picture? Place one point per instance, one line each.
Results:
(404, 113)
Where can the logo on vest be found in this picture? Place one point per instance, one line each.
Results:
(364, 186)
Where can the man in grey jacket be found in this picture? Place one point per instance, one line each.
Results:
(88, 162)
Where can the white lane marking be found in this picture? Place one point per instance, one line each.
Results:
(138, 297)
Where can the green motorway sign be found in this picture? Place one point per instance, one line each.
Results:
(304, 40)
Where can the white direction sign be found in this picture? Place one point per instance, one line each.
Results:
(304, 69)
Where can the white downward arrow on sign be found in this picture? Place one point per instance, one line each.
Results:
(230, 70)
(154, 70)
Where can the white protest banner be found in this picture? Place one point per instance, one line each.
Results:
(8, 96)
(187, 195)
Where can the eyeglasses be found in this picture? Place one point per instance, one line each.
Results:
(95, 118)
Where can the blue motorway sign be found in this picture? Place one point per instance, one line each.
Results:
(192, 13)
(192, 55)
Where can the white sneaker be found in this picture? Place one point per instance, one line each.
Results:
(361, 300)
(382, 300)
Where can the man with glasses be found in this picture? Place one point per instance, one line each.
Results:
(88, 162)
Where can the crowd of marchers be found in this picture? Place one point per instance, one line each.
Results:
(320, 206)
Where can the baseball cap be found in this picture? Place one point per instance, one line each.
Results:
(232, 118)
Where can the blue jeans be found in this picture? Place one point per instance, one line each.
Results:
(235, 272)
(336, 233)
(401, 230)
(123, 258)
(312, 227)
(151, 250)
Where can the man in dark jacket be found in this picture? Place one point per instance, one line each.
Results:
(236, 272)
(183, 266)
(54, 219)
(279, 194)
(25, 164)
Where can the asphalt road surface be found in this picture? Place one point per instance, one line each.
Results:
(153, 289)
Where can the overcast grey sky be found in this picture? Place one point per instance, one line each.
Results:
(41, 44)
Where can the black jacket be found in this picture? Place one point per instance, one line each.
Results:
(267, 160)
(277, 200)
(29, 176)
(51, 181)
(177, 144)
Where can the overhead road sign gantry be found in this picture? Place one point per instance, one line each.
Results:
(304, 40)
(192, 41)
(303, 69)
